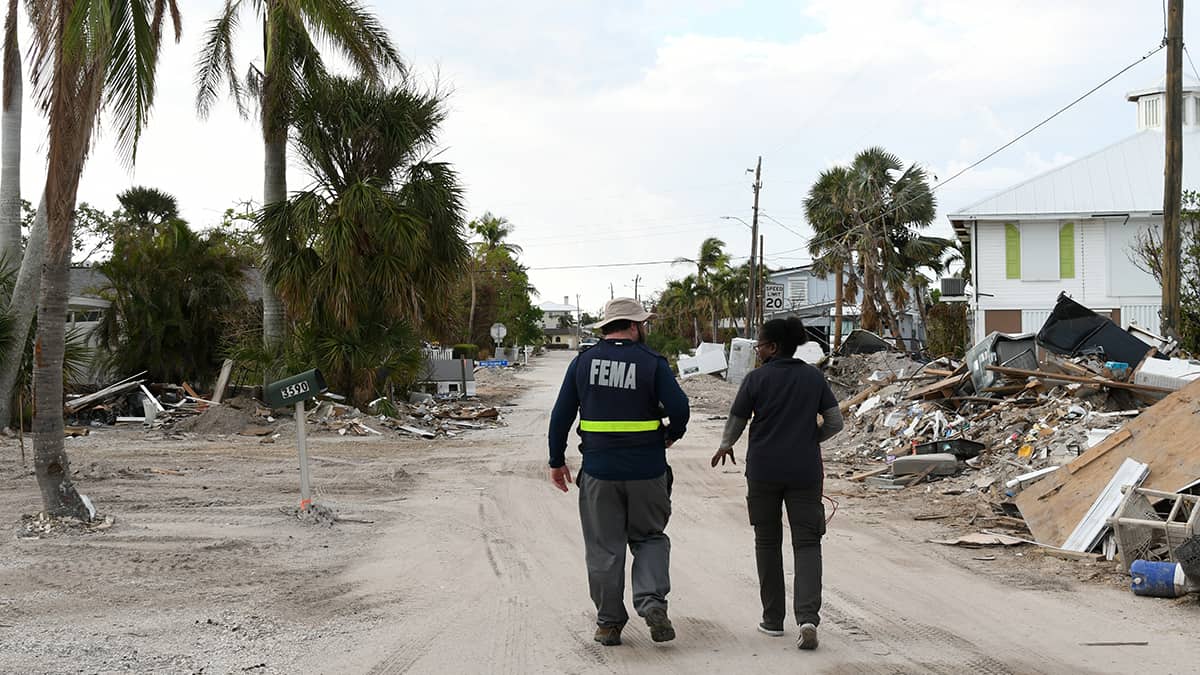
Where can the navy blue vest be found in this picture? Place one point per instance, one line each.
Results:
(618, 404)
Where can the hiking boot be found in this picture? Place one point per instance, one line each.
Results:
(661, 629)
(773, 631)
(808, 637)
(609, 636)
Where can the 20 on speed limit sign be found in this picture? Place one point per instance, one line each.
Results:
(773, 298)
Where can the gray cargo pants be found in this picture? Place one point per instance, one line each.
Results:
(616, 514)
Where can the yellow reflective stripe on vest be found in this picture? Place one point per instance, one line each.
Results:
(617, 426)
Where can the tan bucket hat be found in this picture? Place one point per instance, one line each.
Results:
(623, 308)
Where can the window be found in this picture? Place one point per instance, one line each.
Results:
(1039, 251)
(798, 291)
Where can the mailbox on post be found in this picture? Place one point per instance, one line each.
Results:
(295, 390)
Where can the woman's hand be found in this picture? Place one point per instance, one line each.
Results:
(722, 453)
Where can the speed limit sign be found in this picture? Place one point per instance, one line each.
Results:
(773, 298)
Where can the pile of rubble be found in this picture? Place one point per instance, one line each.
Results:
(1083, 430)
(179, 409)
(425, 417)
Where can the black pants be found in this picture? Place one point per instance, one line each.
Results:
(806, 517)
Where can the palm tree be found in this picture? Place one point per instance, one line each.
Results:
(493, 232)
(830, 210)
(87, 55)
(148, 209)
(171, 292)
(10, 137)
(730, 286)
(378, 241)
(291, 62)
(711, 258)
(884, 202)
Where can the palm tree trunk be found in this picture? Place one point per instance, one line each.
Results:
(275, 135)
(838, 301)
(75, 104)
(274, 190)
(21, 309)
(10, 139)
(471, 315)
(919, 295)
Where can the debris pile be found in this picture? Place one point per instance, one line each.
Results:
(1085, 431)
(709, 394)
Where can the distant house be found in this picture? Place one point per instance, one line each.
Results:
(559, 324)
(1072, 228)
(813, 298)
(448, 376)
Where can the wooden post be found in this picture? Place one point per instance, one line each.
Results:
(752, 268)
(1173, 171)
(305, 494)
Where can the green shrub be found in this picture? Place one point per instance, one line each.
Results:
(466, 351)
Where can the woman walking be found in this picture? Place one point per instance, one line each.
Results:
(784, 470)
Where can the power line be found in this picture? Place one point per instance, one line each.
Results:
(774, 220)
(1012, 142)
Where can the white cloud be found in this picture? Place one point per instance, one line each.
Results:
(620, 132)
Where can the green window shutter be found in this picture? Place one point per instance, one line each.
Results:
(1066, 251)
(1012, 251)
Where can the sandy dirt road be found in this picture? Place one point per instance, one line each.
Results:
(489, 564)
(473, 563)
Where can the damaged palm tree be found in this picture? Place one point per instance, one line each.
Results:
(88, 56)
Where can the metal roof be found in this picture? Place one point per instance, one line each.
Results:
(1123, 178)
(555, 307)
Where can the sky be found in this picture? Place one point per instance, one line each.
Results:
(621, 131)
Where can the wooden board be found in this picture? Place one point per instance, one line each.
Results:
(1164, 437)
(941, 389)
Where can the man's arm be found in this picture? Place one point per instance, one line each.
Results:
(673, 401)
(565, 409)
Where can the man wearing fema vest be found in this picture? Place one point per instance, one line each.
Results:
(622, 390)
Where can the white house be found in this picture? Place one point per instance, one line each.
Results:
(558, 332)
(1071, 229)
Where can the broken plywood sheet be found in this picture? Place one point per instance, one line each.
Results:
(1163, 437)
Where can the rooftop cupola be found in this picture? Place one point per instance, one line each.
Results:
(1152, 101)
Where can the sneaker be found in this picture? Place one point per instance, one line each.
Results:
(609, 636)
(661, 629)
(808, 637)
(773, 631)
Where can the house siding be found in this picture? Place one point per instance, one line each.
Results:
(1034, 299)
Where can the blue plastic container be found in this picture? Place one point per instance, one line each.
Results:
(1157, 579)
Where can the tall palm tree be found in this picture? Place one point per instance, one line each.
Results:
(87, 56)
(291, 61)
(378, 241)
(710, 258)
(830, 209)
(10, 137)
(730, 285)
(889, 200)
(493, 232)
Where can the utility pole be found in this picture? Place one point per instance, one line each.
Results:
(1173, 171)
(762, 277)
(611, 293)
(752, 303)
(578, 321)
(636, 279)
